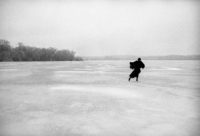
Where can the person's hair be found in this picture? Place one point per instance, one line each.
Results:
(139, 59)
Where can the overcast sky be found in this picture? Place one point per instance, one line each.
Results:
(104, 27)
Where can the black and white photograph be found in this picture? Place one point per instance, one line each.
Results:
(99, 67)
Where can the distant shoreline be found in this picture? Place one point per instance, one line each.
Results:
(129, 57)
(118, 58)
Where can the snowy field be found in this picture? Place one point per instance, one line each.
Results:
(94, 98)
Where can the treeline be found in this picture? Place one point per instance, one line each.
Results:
(28, 53)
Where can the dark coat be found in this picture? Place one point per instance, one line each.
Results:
(136, 65)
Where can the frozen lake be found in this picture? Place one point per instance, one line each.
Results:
(94, 98)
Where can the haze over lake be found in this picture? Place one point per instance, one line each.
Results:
(94, 98)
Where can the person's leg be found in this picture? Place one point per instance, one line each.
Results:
(137, 77)
(130, 76)
(129, 79)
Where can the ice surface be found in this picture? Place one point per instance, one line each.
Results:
(94, 98)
